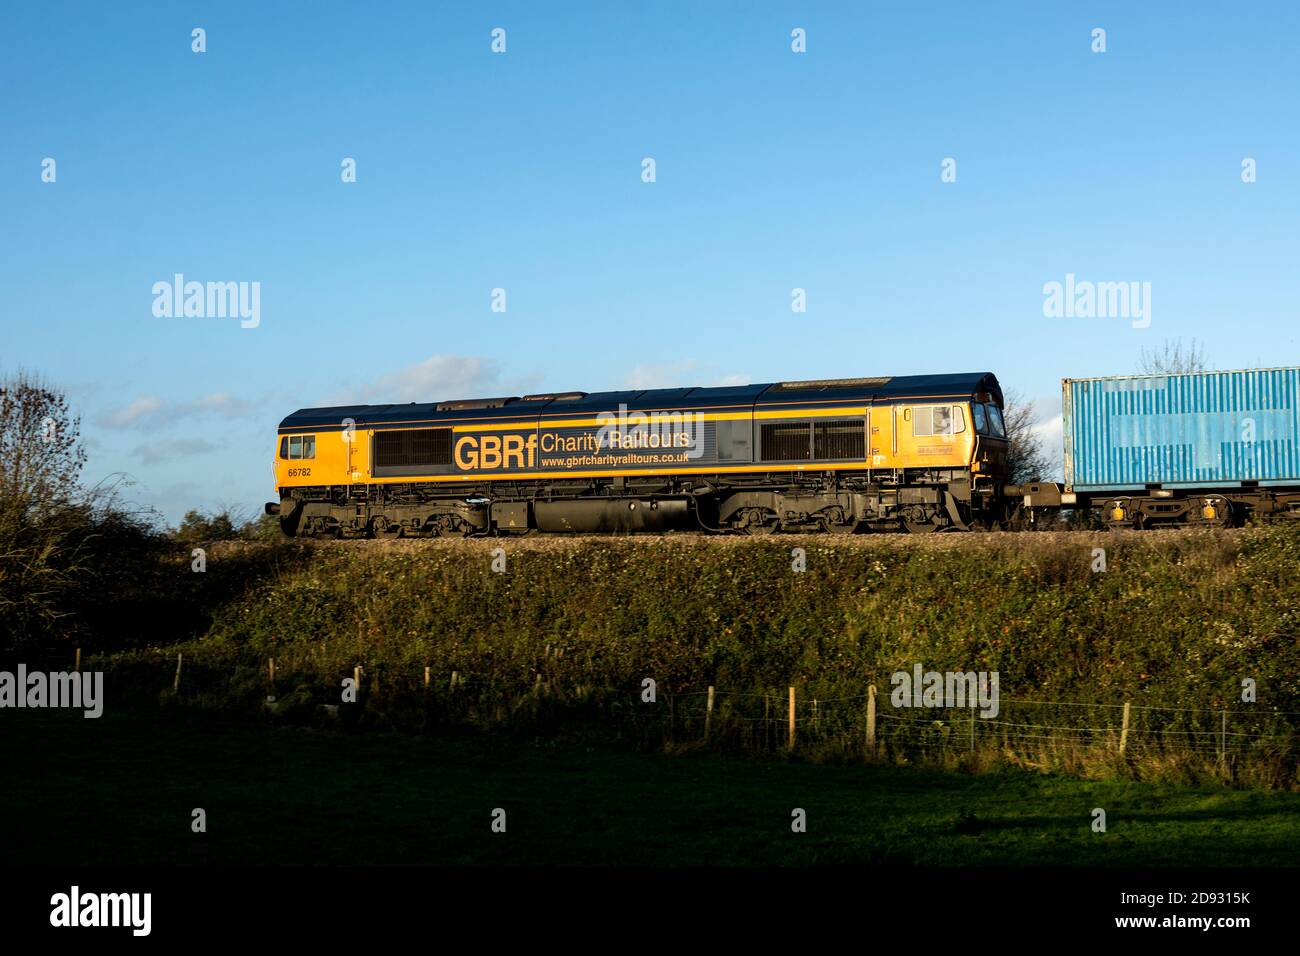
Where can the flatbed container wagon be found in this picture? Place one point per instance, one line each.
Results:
(1198, 448)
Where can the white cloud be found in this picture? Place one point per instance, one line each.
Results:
(439, 378)
(149, 411)
(1050, 432)
(1048, 427)
(221, 402)
(159, 452)
(141, 408)
(681, 374)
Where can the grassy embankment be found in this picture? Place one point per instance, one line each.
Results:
(562, 640)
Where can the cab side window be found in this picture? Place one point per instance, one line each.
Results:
(938, 420)
(981, 422)
(300, 447)
(942, 418)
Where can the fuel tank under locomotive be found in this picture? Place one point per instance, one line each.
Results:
(604, 516)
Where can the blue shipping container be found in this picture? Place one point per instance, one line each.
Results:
(1203, 430)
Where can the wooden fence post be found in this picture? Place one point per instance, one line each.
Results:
(871, 719)
(1123, 733)
(790, 736)
(356, 680)
(972, 730)
(176, 681)
(77, 665)
(708, 714)
(455, 676)
(1223, 738)
(270, 668)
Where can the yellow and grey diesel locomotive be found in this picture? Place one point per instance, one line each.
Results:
(916, 453)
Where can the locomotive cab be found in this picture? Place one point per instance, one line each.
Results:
(988, 467)
(991, 444)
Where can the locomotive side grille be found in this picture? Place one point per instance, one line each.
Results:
(413, 446)
(839, 439)
(825, 383)
(787, 441)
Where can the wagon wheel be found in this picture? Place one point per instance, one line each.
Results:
(1216, 511)
(384, 529)
(1119, 513)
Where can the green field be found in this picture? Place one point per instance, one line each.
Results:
(121, 790)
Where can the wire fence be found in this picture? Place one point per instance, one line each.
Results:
(1032, 731)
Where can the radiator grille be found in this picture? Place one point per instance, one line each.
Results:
(413, 446)
(787, 441)
(839, 439)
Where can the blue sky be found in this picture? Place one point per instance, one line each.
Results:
(522, 171)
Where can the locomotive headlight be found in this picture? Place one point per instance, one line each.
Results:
(1117, 513)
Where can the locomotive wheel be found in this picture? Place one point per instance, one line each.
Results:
(921, 527)
(450, 526)
(320, 528)
(916, 520)
(758, 521)
(385, 530)
(834, 521)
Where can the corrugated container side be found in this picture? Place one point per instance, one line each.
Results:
(1199, 430)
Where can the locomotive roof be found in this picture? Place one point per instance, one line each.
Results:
(957, 385)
